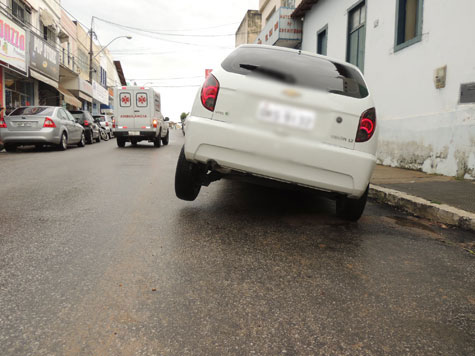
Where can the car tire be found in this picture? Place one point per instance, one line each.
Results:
(166, 138)
(351, 209)
(120, 142)
(9, 147)
(82, 141)
(157, 142)
(63, 142)
(90, 138)
(187, 178)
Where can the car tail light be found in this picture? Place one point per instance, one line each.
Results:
(155, 123)
(113, 123)
(86, 123)
(3, 124)
(367, 125)
(49, 122)
(209, 92)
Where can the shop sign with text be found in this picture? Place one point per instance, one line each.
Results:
(44, 58)
(12, 44)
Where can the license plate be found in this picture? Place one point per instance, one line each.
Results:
(134, 133)
(286, 115)
(24, 124)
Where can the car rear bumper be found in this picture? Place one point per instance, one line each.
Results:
(285, 158)
(143, 135)
(44, 136)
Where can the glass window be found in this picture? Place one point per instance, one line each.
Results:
(356, 35)
(125, 100)
(298, 69)
(142, 99)
(408, 22)
(322, 39)
(34, 110)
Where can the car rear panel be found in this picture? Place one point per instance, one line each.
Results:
(25, 123)
(285, 126)
(324, 117)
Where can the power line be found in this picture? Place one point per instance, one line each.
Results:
(164, 32)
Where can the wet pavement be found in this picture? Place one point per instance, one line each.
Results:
(98, 257)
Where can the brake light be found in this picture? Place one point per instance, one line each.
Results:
(3, 124)
(113, 123)
(367, 125)
(86, 123)
(209, 92)
(49, 122)
(155, 123)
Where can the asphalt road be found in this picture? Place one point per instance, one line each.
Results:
(98, 257)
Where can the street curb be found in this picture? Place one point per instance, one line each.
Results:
(420, 207)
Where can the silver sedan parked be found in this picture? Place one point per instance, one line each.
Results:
(40, 125)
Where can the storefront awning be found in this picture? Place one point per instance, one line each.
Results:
(43, 78)
(69, 98)
(85, 97)
(47, 18)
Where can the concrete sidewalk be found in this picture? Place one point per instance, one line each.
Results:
(442, 199)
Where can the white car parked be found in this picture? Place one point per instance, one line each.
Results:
(285, 115)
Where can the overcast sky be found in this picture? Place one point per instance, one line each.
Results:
(148, 57)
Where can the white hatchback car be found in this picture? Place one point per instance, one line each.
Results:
(284, 115)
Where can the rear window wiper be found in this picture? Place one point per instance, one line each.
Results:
(281, 76)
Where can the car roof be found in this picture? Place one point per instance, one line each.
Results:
(291, 50)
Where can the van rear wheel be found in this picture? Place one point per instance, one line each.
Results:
(120, 141)
(166, 138)
(157, 142)
(187, 178)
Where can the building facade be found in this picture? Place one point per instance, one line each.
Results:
(249, 28)
(420, 71)
(44, 59)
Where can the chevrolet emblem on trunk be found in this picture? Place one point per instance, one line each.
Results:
(292, 93)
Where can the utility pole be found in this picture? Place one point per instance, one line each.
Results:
(91, 54)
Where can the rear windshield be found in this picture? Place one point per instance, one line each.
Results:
(297, 69)
(100, 118)
(78, 115)
(33, 110)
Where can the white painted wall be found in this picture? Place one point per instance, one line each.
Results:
(421, 127)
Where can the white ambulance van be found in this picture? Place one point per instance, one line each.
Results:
(138, 116)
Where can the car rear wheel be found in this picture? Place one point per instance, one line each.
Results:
(82, 142)
(90, 138)
(166, 138)
(187, 178)
(120, 141)
(10, 147)
(63, 142)
(351, 209)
